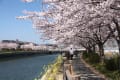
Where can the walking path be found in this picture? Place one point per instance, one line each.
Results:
(80, 71)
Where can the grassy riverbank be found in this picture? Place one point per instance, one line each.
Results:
(110, 67)
(51, 70)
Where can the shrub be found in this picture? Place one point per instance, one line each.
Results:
(116, 75)
(117, 62)
(94, 58)
(112, 64)
(110, 67)
(91, 57)
(101, 67)
(86, 55)
(109, 64)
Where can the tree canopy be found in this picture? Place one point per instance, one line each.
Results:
(79, 22)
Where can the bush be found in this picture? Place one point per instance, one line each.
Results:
(110, 67)
(91, 57)
(117, 62)
(112, 64)
(86, 55)
(116, 75)
(94, 58)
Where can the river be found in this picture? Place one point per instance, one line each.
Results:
(26, 68)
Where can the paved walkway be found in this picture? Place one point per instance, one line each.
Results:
(82, 71)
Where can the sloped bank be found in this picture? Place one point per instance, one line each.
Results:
(51, 70)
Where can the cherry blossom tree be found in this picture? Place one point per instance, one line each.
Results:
(109, 10)
(87, 22)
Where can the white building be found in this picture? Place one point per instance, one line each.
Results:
(40, 47)
(51, 46)
(5, 45)
(27, 46)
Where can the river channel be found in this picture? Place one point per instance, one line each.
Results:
(26, 68)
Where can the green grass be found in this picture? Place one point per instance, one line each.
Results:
(51, 70)
(104, 68)
(112, 75)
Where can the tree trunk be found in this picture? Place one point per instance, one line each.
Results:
(101, 52)
(118, 43)
(89, 50)
(93, 49)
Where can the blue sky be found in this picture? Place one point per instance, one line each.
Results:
(11, 28)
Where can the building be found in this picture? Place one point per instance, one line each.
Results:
(27, 46)
(16, 44)
(52, 47)
(8, 44)
(40, 47)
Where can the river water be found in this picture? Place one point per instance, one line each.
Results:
(26, 68)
